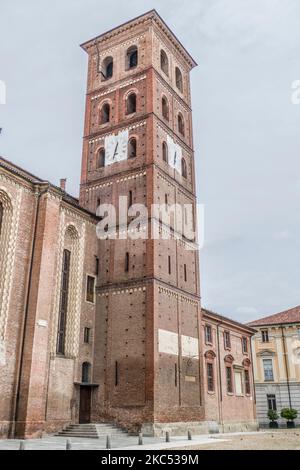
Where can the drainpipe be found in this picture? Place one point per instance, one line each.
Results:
(286, 365)
(39, 193)
(220, 379)
(253, 380)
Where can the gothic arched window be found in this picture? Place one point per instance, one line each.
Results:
(183, 168)
(104, 114)
(86, 372)
(164, 62)
(178, 78)
(131, 57)
(165, 152)
(7, 251)
(100, 163)
(107, 68)
(63, 305)
(180, 124)
(132, 147)
(131, 103)
(165, 108)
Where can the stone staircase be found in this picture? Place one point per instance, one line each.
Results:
(91, 431)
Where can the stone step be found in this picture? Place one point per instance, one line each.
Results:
(93, 431)
(99, 431)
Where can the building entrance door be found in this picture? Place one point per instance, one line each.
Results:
(85, 405)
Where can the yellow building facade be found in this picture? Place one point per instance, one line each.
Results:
(276, 363)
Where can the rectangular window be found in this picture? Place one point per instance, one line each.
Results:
(90, 289)
(227, 343)
(238, 383)
(87, 335)
(298, 333)
(265, 336)
(247, 382)
(245, 345)
(126, 262)
(229, 380)
(268, 370)
(176, 375)
(210, 377)
(185, 273)
(166, 199)
(208, 334)
(272, 405)
(63, 305)
(116, 373)
(169, 264)
(96, 265)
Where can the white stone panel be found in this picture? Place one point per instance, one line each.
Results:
(189, 346)
(167, 342)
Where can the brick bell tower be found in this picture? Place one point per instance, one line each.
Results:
(138, 142)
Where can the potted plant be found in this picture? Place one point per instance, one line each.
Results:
(290, 414)
(273, 416)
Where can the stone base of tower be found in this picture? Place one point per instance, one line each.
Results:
(197, 428)
(143, 419)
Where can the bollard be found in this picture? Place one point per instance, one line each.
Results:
(22, 445)
(140, 439)
(189, 435)
(68, 444)
(167, 436)
(108, 443)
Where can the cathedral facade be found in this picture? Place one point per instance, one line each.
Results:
(109, 329)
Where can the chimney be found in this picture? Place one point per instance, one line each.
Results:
(62, 184)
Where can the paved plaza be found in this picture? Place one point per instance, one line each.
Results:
(264, 439)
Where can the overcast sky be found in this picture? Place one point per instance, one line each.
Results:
(247, 131)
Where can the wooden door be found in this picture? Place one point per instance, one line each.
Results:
(85, 405)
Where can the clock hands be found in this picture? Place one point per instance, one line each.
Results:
(116, 150)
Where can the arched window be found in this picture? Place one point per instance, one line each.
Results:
(164, 62)
(86, 372)
(131, 57)
(132, 148)
(165, 108)
(63, 305)
(180, 124)
(165, 152)
(178, 77)
(100, 158)
(131, 103)
(107, 68)
(104, 114)
(7, 252)
(183, 168)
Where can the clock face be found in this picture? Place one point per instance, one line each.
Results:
(116, 147)
(175, 154)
